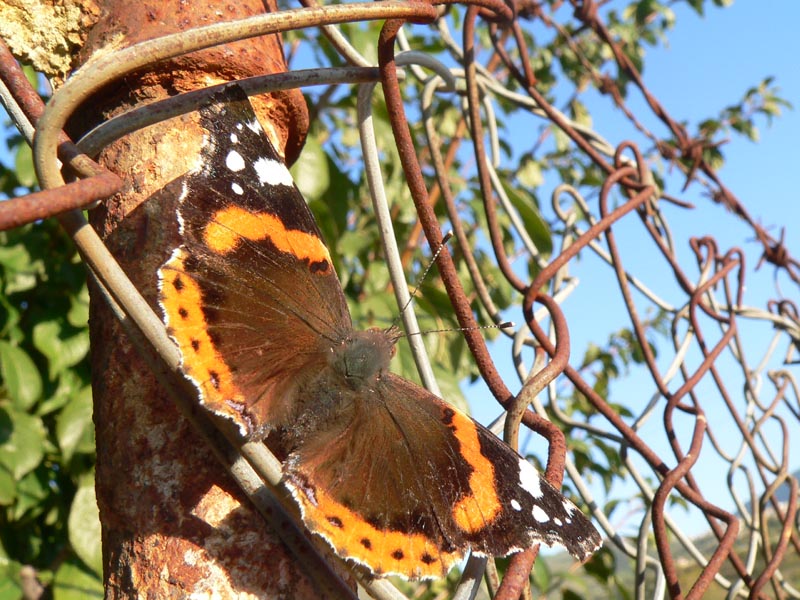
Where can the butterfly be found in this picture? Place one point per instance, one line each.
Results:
(391, 476)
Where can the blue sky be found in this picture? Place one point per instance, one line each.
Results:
(715, 60)
(720, 57)
(707, 65)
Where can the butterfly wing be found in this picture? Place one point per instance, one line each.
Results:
(251, 296)
(391, 476)
(404, 483)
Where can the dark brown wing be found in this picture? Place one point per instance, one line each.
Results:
(404, 483)
(390, 475)
(251, 296)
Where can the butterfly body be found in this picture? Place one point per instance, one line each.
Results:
(391, 476)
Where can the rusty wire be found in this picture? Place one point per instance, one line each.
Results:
(704, 319)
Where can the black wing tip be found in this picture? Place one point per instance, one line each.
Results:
(227, 94)
(228, 110)
(230, 99)
(580, 537)
(583, 549)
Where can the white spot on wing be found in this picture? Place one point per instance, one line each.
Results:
(237, 189)
(184, 194)
(234, 161)
(272, 172)
(529, 479)
(234, 138)
(570, 508)
(539, 514)
(558, 521)
(254, 126)
(515, 505)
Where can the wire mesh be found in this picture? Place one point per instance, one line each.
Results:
(710, 418)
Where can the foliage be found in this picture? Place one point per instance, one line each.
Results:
(48, 512)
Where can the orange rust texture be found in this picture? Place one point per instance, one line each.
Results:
(173, 523)
(126, 22)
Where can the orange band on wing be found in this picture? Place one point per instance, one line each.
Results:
(385, 552)
(232, 223)
(181, 299)
(473, 512)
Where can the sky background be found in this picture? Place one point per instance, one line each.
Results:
(717, 58)
(708, 64)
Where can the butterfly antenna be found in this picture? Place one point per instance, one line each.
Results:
(503, 325)
(446, 238)
(422, 277)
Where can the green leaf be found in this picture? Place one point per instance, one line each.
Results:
(74, 582)
(23, 165)
(310, 172)
(697, 5)
(74, 426)
(63, 350)
(580, 113)
(20, 376)
(623, 590)
(362, 37)
(32, 76)
(78, 315)
(14, 257)
(10, 585)
(451, 390)
(84, 527)
(9, 321)
(535, 225)
(375, 310)
(353, 243)
(21, 269)
(602, 565)
(69, 384)
(8, 487)
(530, 174)
(541, 575)
(32, 492)
(22, 438)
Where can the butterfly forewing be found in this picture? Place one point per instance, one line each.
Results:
(251, 296)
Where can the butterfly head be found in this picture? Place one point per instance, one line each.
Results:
(363, 356)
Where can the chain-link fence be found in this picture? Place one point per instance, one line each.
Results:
(704, 443)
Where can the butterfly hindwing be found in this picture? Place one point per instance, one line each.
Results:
(406, 484)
